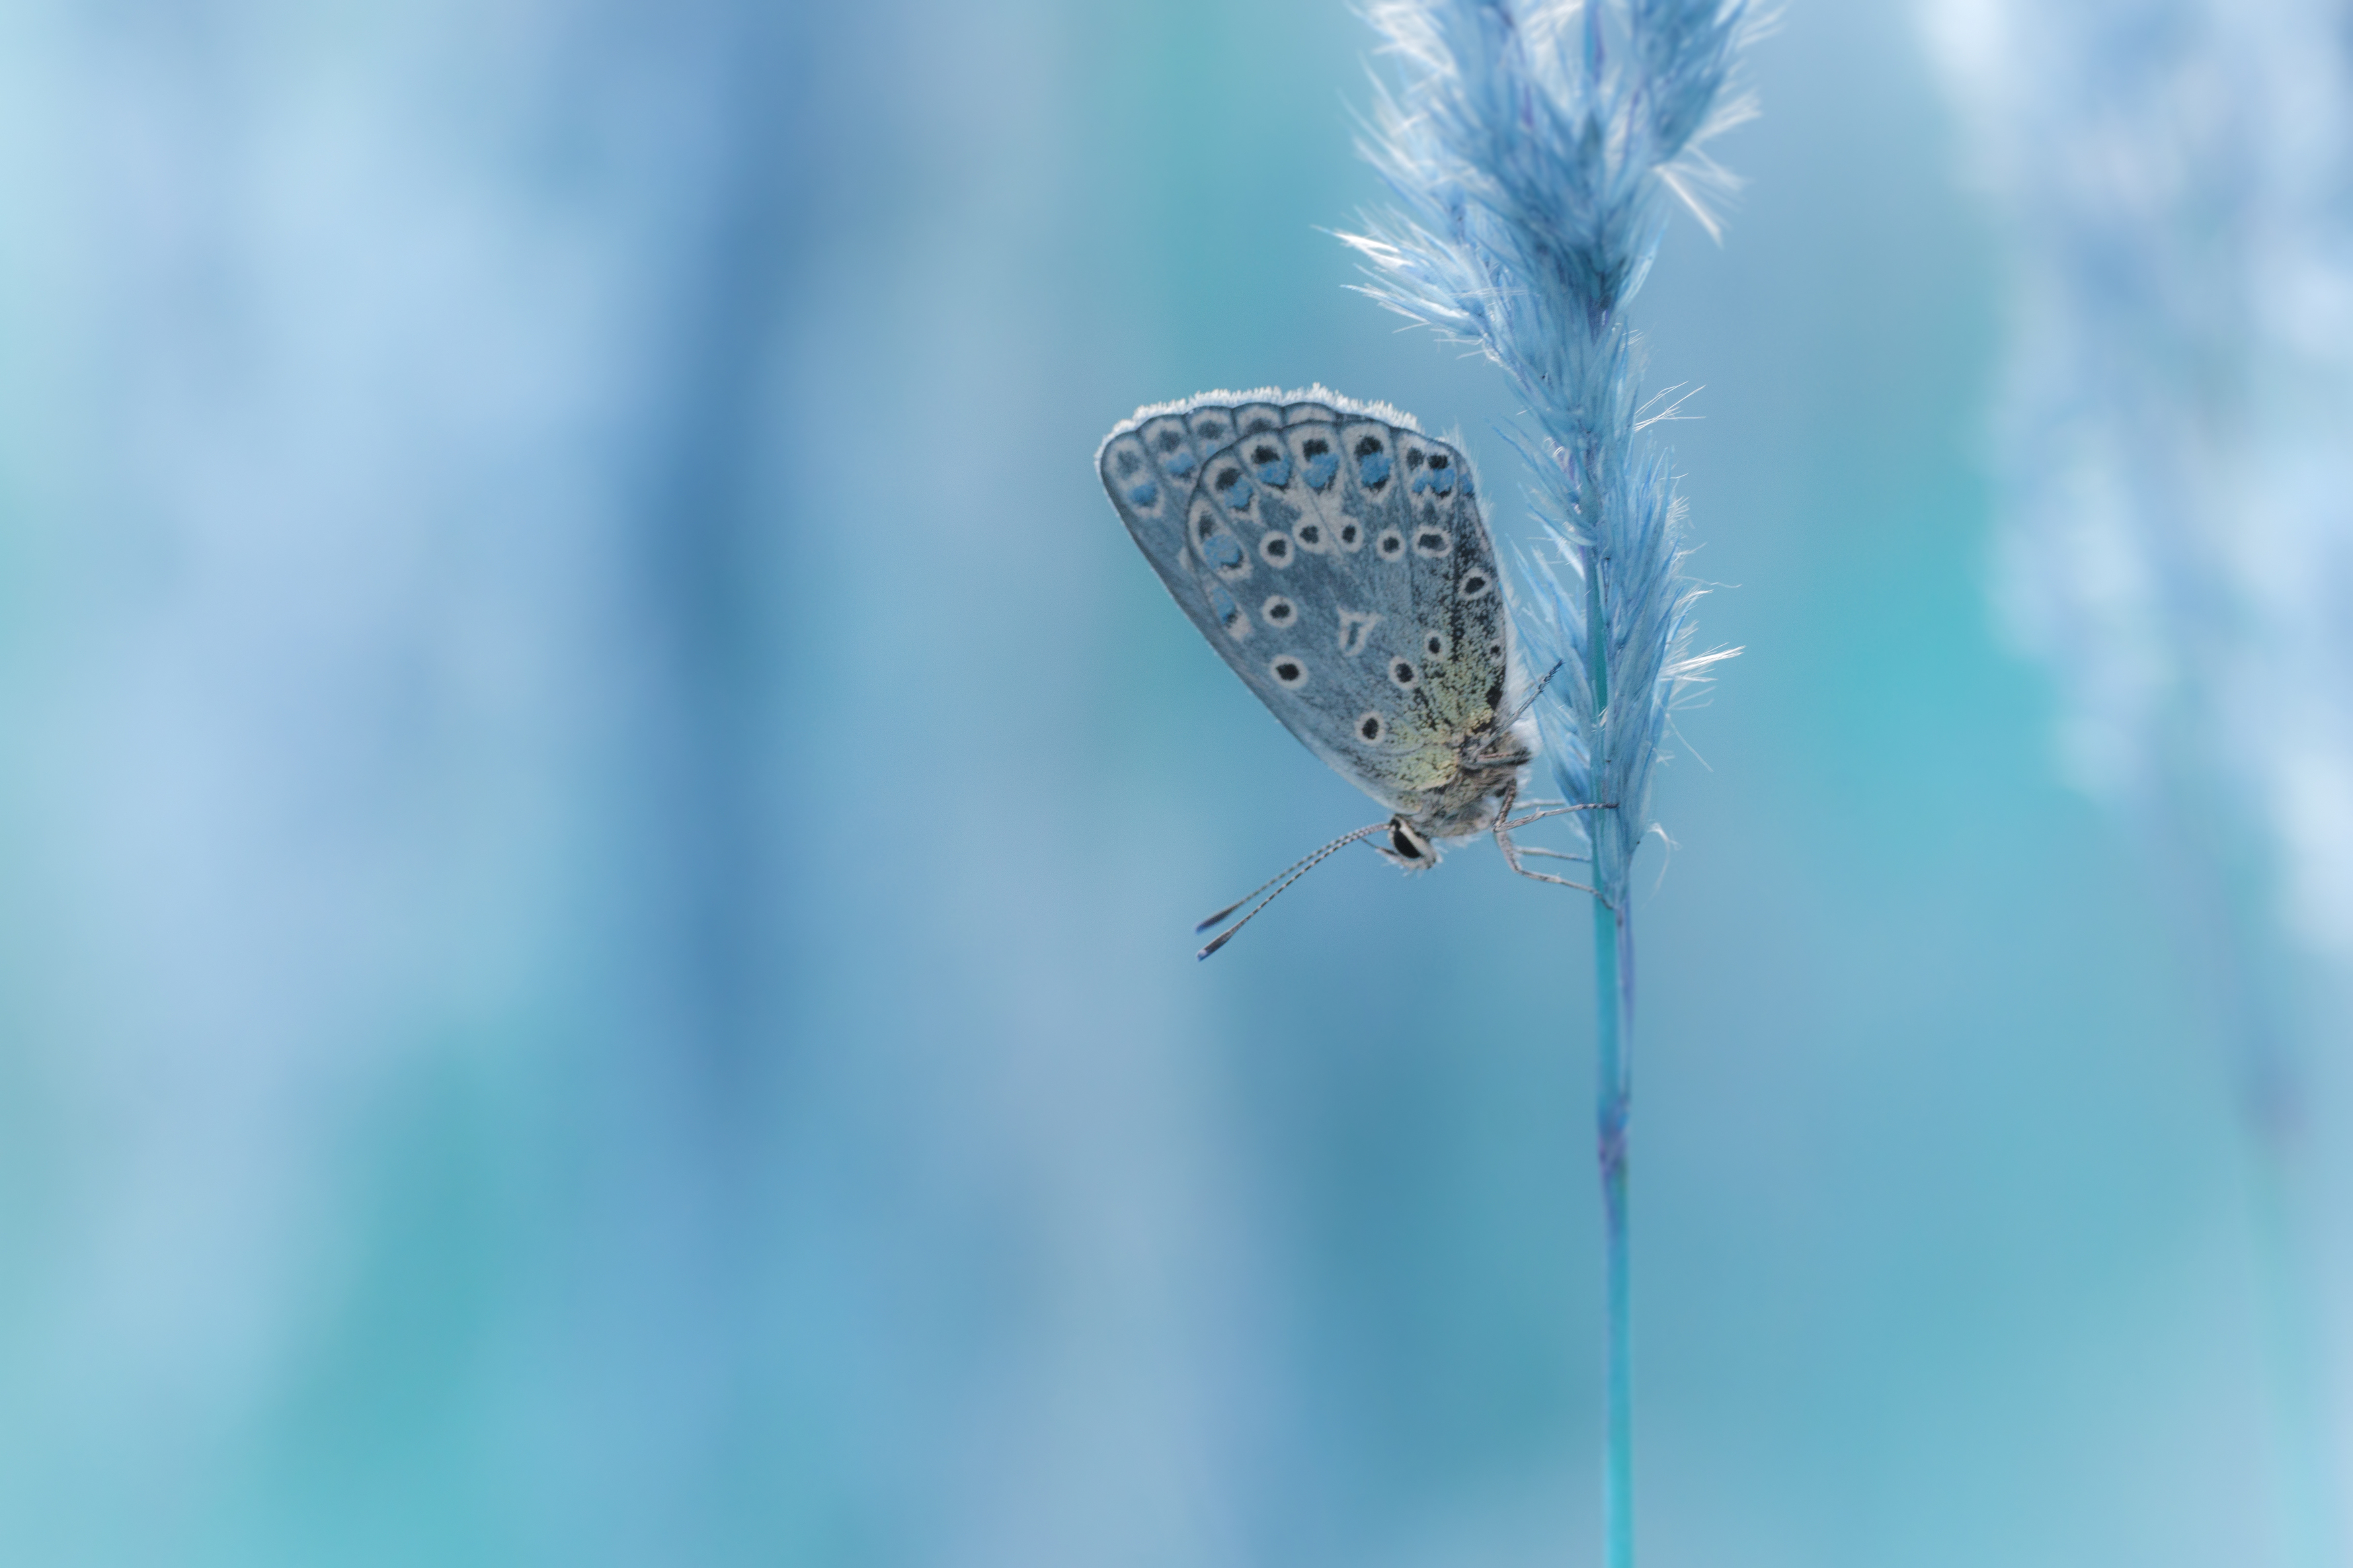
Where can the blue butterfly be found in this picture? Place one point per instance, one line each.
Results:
(1335, 556)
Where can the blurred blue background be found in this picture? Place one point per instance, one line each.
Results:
(598, 826)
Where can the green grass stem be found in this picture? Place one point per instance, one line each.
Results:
(1612, 987)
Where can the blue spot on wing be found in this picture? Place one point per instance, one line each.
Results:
(1221, 604)
(1179, 464)
(1276, 473)
(1320, 469)
(1142, 494)
(1438, 481)
(1373, 470)
(1220, 550)
(1236, 496)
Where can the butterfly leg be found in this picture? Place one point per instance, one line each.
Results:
(1557, 811)
(1503, 826)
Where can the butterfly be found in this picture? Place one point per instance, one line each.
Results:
(1336, 557)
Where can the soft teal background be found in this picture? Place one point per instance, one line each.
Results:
(599, 823)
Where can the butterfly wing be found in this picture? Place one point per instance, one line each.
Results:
(1152, 466)
(1335, 556)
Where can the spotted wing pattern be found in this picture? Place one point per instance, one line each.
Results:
(1336, 557)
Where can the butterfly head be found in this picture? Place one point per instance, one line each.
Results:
(1407, 846)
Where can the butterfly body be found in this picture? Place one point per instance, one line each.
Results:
(1335, 558)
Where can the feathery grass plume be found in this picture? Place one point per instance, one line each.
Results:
(1533, 147)
(2175, 179)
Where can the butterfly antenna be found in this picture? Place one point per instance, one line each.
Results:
(1219, 917)
(1297, 870)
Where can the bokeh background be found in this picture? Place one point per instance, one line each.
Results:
(598, 826)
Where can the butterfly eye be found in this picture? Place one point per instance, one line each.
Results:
(1288, 671)
(1351, 535)
(1433, 542)
(1403, 673)
(1230, 613)
(1392, 544)
(1276, 548)
(1370, 727)
(1321, 463)
(1439, 481)
(1279, 611)
(1220, 550)
(1475, 584)
(1434, 645)
(1271, 464)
